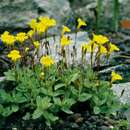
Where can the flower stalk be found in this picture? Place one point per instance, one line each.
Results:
(116, 15)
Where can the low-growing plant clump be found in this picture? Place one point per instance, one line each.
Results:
(39, 88)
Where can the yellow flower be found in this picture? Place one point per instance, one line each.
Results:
(115, 76)
(42, 74)
(65, 29)
(44, 19)
(30, 33)
(21, 37)
(81, 23)
(43, 24)
(113, 47)
(41, 28)
(65, 41)
(89, 47)
(51, 23)
(48, 22)
(36, 44)
(102, 50)
(7, 38)
(26, 49)
(14, 55)
(46, 61)
(100, 39)
(33, 24)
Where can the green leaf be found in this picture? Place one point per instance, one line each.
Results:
(27, 116)
(43, 90)
(37, 113)
(97, 110)
(4, 96)
(84, 97)
(14, 108)
(18, 98)
(68, 102)
(50, 116)
(58, 93)
(43, 103)
(59, 86)
(57, 101)
(66, 110)
(10, 75)
(1, 108)
(6, 112)
(74, 91)
(74, 77)
(96, 100)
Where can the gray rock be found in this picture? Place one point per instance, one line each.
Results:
(86, 11)
(76, 4)
(82, 37)
(17, 13)
(127, 113)
(125, 88)
(74, 125)
(104, 128)
(86, 8)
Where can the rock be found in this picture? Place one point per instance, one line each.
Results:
(87, 8)
(76, 4)
(99, 122)
(79, 120)
(54, 42)
(74, 125)
(92, 119)
(15, 14)
(104, 128)
(122, 90)
(127, 113)
(14, 129)
(76, 116)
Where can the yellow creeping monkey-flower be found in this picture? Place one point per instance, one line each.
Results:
(26, 49)
(102, 50)
(7, 38)
(115, 76)
(65, 29)
(113, 47)
(81, 23)
(100, 39)
(89, 47)
(14, 55)
(65, 41)
(41, 28)
(36, 44)
(47, 61)
(48, 22)
(45, 23)
(33, 24)
(42, 24)
(21, 37)
(30, 33)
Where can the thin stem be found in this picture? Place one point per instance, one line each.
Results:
(91, 55)
(116, 15)
(75, 38)
(99, 11)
